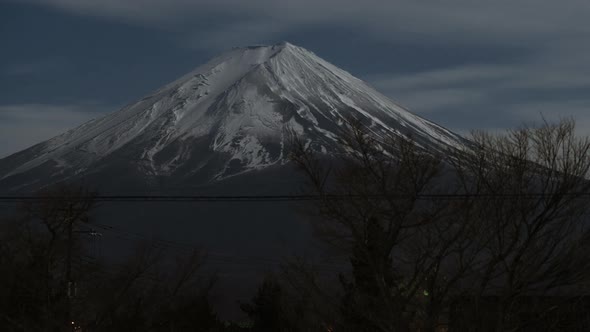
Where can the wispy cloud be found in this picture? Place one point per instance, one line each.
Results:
(240, 33)
(38, 66)
(24, 125)
(550, 75)
(463, 19)
(488, 97)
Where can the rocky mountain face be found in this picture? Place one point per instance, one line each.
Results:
(228, 118)
(221, 129)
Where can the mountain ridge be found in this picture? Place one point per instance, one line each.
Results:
(224, 118)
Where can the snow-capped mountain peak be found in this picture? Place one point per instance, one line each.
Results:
(226, 117)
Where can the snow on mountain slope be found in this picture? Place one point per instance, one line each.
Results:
(229, 114)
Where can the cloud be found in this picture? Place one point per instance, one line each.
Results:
(234, 33)
(579, 110)
(24, 125)
(542, 26)
(483, 21)
(550, 72)
(498, 96)
(38, 66)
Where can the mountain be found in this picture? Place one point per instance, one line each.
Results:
(225, 119)
(220, 129)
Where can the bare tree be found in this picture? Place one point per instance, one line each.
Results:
(530, 190)
(48, 283)
(372, 206)
(422, 227)
(40, 248)
(150, 293)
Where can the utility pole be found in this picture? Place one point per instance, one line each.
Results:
(61, 210)
(96, 245)
(70, 285)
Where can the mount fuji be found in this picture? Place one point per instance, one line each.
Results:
(219, 130)
(226, 119)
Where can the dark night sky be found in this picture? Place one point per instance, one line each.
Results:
(464, 64)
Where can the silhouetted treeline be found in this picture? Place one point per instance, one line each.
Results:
(491, 236)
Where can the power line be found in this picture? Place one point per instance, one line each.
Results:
(284, 198)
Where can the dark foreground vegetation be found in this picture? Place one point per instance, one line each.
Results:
(490, 238)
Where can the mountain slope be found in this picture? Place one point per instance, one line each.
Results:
(225, 118)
